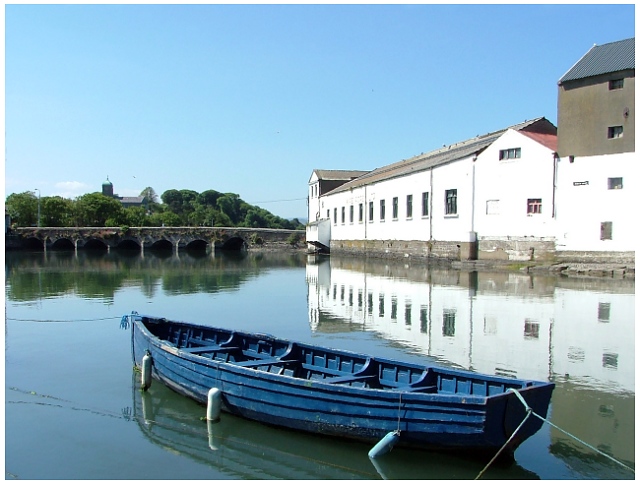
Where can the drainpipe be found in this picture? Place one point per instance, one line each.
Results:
(431, 205)
(556, 158)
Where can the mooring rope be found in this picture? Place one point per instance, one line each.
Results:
(531, 412)
(60, 320)
(399, 412)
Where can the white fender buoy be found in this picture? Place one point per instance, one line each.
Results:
(214, 404)
(147, 361)
(212, 437)
(385, 445)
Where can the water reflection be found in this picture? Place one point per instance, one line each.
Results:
(242, 449)
(576, 332)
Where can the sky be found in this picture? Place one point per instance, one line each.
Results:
(250, 99)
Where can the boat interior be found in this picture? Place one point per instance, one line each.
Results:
(308, 362)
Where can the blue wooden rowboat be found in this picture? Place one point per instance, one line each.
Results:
(339, 393)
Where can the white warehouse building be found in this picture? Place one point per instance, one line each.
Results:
(490, 196)
(528, 192)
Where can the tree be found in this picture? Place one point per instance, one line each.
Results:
(94, 209)
(57, 212)
(209, 198)
(23, 208)
(150, 194)
(173, 199)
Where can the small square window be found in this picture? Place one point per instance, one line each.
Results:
(616, 84)
(614, 183)
(534, 205)
(614, 132)
(606, 230)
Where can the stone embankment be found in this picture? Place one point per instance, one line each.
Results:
(571, 269)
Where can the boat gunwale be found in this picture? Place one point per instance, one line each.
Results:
(405, 391)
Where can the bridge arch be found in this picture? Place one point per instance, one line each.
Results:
(161, 245)
(62, 244)
(33, 243)
(234, 243)
(197, 244)
(128, 244)
(95, 244)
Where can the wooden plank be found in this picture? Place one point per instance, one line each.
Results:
(209, 349)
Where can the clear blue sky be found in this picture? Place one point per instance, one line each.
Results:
(250, 99)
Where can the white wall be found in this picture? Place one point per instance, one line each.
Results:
(508, 184)
(584, 201)
(436, 225)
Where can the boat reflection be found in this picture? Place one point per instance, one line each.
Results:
(242, 449)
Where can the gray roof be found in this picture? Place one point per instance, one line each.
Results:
(604, 59)
(132, 199)
(339, 174)
(443, 155)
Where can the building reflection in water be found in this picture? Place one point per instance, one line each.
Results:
(576, 332)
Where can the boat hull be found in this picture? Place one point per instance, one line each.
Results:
(443, 420)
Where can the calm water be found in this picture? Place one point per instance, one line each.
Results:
(74, 410)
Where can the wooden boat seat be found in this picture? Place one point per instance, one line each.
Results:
(264, 362)
(210, 349)
(347, 378)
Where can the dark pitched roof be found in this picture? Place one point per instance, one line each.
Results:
(604, 59)
(446, 154)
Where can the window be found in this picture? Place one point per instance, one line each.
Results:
(335, 216)
(449, 322)
(610, 360)
(360, 212)
(606, 230)
(382, 208)
(409, 206)
(616, 84)
(370, 211)
(604, 312)
(395, 208)
(351, 214)
(451, 202)
(531, 329)
(328, 213)
(534, 205)
(615, 183)
(423, 319)
(510, 154)
(614, 132)
(425, 204)
(343, 212)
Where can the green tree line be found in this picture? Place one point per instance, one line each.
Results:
(179, 208)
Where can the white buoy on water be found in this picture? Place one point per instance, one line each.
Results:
(385, 445)
(214, 404)
(147, 361)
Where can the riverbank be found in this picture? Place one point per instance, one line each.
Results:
(568, 269)
(625, 269)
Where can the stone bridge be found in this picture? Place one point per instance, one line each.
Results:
(157, 238)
